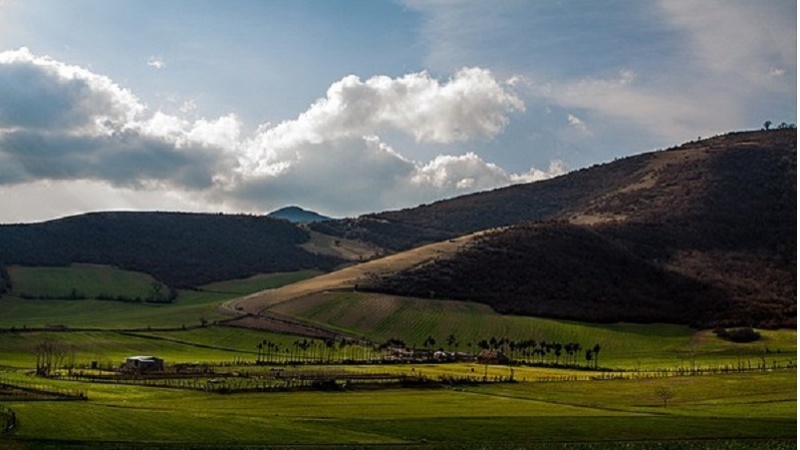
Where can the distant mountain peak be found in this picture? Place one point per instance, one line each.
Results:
(296, 214)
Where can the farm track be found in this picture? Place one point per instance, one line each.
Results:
(257, 310)
(277, 323)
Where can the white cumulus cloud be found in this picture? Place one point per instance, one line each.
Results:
(63, 122)
(469, 105)
(62, 125)
(335, 149)
(38, 92)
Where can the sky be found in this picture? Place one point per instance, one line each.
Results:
(348, 107)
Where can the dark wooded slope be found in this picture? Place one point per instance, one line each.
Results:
(180, 249)
(703, 234)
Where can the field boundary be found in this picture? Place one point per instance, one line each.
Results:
(138, 334)
(24, 391)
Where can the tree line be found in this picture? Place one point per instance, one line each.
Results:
(336, 351)
(156, 295)
(313, 351)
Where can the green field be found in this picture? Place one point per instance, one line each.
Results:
(188, 309)
(381, 317)
(708, 407)
(83, 279)
(107, 347)
(544, 409)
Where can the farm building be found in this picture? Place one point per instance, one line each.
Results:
(143, 364)
(441, 355)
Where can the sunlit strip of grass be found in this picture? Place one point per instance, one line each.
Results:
(625, 345)
(191, 308)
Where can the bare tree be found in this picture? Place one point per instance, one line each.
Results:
(49, 356)
(665, 394)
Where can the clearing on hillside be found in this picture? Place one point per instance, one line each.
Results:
(81, 280)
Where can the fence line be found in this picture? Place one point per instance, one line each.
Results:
(30, 391)
(657, 373)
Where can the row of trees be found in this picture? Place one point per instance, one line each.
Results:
(156, 294)
(781, 126)
(532, 351)
(320, 351)
(525, 351)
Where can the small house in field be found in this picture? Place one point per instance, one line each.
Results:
(441, 355)
(143, 364)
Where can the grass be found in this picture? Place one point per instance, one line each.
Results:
(711, 411)
(706, 444)
(190, 307)
(349, 277)
(712, 396)
(381, 317)
(106, 347)
(708, 407)
(85, 279)
(260, 282)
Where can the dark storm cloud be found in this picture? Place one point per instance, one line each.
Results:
(61, 122)
(125, 159)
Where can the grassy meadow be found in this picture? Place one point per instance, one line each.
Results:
(624, 345)
(544, 409)
(88, 280)
(189, 308)
(742, 406)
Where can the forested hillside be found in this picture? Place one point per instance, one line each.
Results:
(647, 186)
(703, 234)
(179, 249)
(548, 199)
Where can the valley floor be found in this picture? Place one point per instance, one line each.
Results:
(545, 408)
(733, 406)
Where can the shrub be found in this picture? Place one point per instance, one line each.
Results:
(741, 335)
